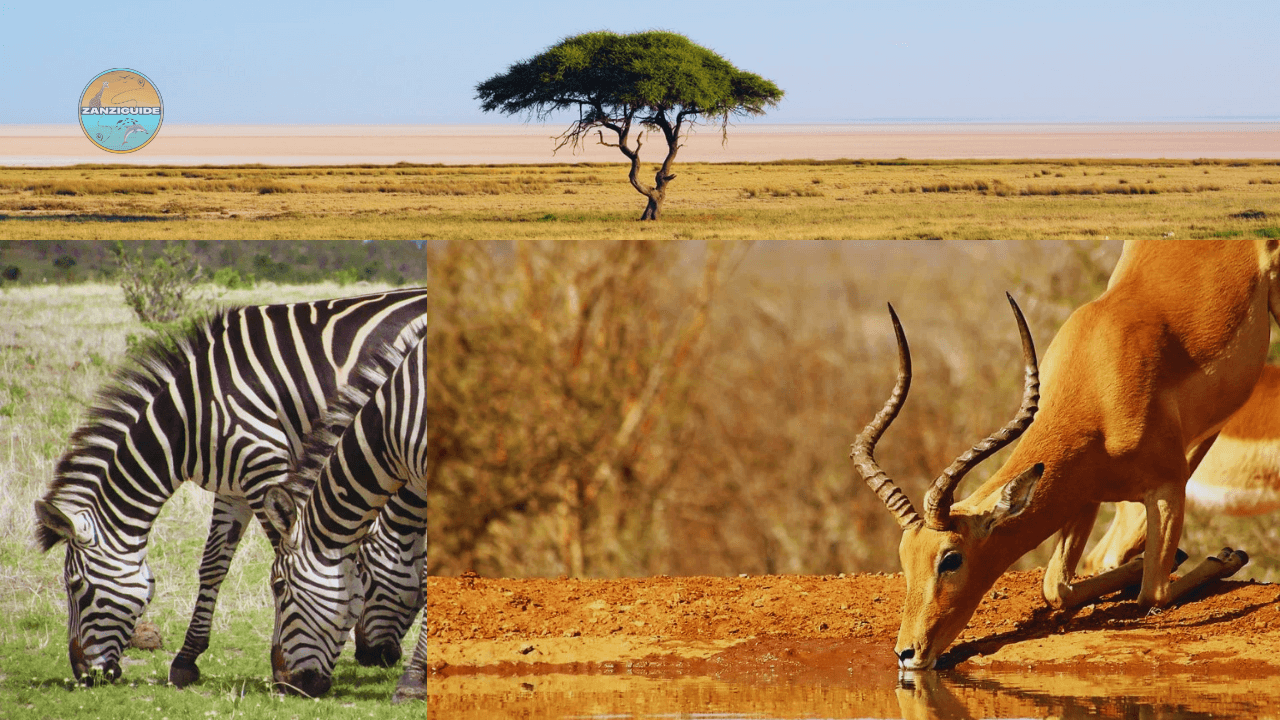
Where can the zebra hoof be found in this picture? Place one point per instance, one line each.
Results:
(97, 676)
(183, 673)
(385, 655)
(409, 691)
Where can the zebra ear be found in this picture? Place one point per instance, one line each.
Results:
(281, 510)
(54, 525)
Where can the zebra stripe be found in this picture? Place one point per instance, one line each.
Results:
(318, 587)
(226, 405)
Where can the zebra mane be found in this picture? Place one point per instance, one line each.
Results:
(142, 376)
(318, 444)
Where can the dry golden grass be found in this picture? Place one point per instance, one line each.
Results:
(1079, 199)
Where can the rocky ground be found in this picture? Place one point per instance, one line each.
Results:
(474, 622)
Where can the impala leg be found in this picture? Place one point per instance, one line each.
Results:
(1224, 564)
(1122, 542)
(226, 527)
(1164, 529)
(1058, 590)
(1127, 534)
(1060, 593)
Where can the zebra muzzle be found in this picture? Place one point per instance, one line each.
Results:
(308, 682)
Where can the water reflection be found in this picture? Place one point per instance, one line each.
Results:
(941, 696)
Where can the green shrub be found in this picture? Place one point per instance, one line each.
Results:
(159, 290)
(346, 276)
(231, 279)
(268, 268)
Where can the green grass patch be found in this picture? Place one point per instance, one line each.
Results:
(235, 682)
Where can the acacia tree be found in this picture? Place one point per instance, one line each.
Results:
(657, 80)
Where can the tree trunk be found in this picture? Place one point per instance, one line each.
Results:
(652, 209)
(658, 192)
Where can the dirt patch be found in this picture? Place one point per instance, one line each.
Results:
(808, 627)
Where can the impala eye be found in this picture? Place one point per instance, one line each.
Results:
(950, 562)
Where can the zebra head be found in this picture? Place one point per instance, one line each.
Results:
(107, 590)
(319, 595)
(392, 556)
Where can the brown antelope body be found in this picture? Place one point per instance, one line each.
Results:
(1150, 369)
(1238, 474)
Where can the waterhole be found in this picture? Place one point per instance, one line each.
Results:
(835, 679)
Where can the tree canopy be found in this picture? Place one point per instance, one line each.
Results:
(659, 80)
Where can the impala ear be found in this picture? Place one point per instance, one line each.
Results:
(281, 510)
(1015, 496)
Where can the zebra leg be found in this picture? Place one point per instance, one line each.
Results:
(226, 527)
(391, 555)
(413, 684)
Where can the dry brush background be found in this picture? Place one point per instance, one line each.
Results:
(628, 409)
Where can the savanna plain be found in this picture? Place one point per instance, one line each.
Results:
(809, 200)
(58, 345)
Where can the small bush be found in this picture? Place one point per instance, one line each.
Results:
(1249, 215)
(780, 192)
(159, 290)
(268, 268)
(231, 279)
(346, 276)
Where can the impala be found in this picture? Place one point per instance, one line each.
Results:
(1238, 474)
(1134, 379)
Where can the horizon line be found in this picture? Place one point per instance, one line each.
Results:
(797, 123)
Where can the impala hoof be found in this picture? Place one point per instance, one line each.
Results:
(1232, 561)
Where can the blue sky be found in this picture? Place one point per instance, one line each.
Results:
(413, 63)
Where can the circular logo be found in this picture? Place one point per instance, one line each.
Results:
(121, 110)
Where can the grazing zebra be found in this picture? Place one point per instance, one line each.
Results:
(226, 405)
(394, 557)
(319, 588)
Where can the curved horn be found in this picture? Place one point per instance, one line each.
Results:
(865, 444)
(937, 501)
